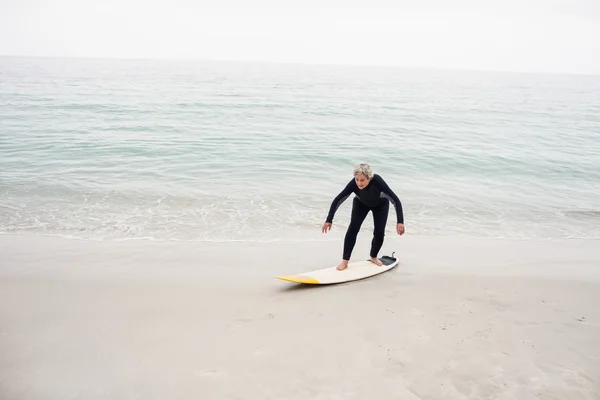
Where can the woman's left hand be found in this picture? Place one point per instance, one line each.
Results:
(400, 229)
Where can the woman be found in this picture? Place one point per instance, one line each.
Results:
(372, 194)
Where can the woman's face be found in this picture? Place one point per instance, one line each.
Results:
(361, 181)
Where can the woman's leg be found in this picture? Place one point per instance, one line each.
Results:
(359, 213)
(380, 216)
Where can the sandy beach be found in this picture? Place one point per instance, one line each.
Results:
(457, 319)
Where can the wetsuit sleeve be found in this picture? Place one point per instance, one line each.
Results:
(391, 196)
(339, 199)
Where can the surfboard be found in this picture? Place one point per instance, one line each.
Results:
(355, 271)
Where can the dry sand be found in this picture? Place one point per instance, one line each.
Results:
(457, 319)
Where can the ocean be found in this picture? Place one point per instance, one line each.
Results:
(227, 151)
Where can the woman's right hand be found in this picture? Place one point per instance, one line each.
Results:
(326, 227)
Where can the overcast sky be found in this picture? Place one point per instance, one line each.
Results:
(517, 35)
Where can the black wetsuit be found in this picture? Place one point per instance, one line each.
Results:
(376, 197)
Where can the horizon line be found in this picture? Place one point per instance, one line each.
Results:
(301, 63)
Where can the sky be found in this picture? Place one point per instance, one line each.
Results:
(507, 35)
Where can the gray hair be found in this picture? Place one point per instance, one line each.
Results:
(365, 169)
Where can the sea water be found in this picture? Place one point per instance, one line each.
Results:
(215, 151)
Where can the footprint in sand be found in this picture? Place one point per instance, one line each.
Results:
(209, 373)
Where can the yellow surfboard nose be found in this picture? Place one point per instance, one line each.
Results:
(299, 279)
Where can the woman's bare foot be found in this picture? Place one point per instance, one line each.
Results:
(343, 265)
(376, 261)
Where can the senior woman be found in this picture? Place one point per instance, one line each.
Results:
(372, 194)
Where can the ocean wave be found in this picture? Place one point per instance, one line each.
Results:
(110, 150)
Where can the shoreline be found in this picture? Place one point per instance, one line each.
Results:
(331, 237)
(36, 255)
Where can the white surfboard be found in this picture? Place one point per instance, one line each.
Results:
(355, 271)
